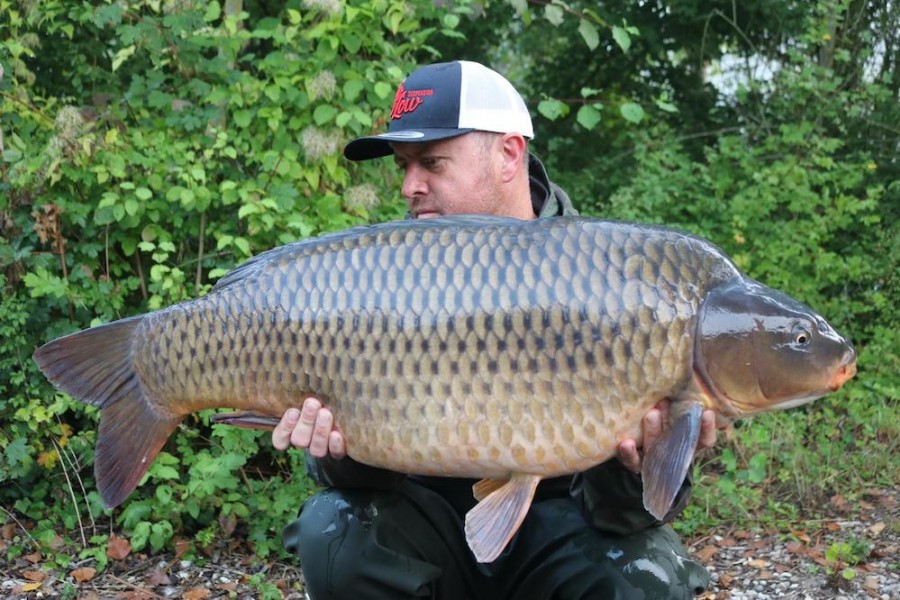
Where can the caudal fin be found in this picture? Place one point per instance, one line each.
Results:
(95, 366)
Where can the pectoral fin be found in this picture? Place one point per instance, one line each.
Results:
(667, 461)
(494, 521)
(246, 419)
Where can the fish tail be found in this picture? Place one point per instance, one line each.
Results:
(95, 366)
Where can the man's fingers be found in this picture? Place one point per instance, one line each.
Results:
(281, 435)
(336, 446)
(652, 427)
(707, 430)
(629, 455)
(321, 433)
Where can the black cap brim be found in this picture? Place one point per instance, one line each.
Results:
(376, 146)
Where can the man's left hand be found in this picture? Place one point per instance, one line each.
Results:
(630, 454)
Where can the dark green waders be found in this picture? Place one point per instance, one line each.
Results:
(409, 543)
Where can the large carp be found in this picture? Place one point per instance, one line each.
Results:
(464, 346)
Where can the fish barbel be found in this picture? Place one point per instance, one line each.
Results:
(465, 346)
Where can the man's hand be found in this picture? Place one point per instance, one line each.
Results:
(312, 428)
(652, 427)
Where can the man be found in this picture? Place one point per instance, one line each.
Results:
(459, 133)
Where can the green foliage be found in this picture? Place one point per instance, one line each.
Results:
(148, 148)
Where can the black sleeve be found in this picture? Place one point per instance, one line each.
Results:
(348, 473)
(611, 497)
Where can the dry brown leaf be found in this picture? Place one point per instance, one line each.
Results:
(795, 548)
(758, 563)
(197, 593)
(877, 528)
(743, 535)
(725, 580)
(182, 545)
(884, 552)
(728, 543)
(706, 553)
(8, 531)
(27, 587)
(34, 575)
(158, 577)
(832, 526)
(227, 587)
(118, 548)
(33, 558)
(83, 574)
(57, 543)
(227, 523)
(800, 535)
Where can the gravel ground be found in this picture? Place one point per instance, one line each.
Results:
(802, 563)
(806, 562)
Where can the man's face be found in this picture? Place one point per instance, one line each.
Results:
(453, 176)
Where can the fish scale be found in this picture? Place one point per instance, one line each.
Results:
(468, 346)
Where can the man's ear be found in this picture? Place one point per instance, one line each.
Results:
(513, 149)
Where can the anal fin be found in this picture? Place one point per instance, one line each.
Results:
(494, 521)
(246, 419)
(485, 487)
(667, 461)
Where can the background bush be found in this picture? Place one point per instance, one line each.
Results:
(150, 146)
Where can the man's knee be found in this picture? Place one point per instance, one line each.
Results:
(656, 561)
(350, 540)
(330, 524)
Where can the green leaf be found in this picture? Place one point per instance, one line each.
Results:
(589, 34)
(620, 35)
(663, 104)
(352, 89)
(122, 55)
(632, 112)
(451, 21)
(520, 6)
(243, 245)
(242, 118)
(554, 14)
(588, 116)
(213, 11)
(324, 113)
(553, 109)
(383, 90)
(143, 193)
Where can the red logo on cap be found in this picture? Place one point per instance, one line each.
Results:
(408, 101)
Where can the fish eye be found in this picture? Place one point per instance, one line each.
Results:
(801, 335)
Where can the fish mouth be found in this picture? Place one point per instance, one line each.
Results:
(843, 374)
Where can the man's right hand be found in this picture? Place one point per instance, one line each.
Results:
(311, 428)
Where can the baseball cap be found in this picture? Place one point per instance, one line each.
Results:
(445, 100)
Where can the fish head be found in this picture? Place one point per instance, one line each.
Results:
(758, 349)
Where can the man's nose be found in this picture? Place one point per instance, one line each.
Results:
(414, 182)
